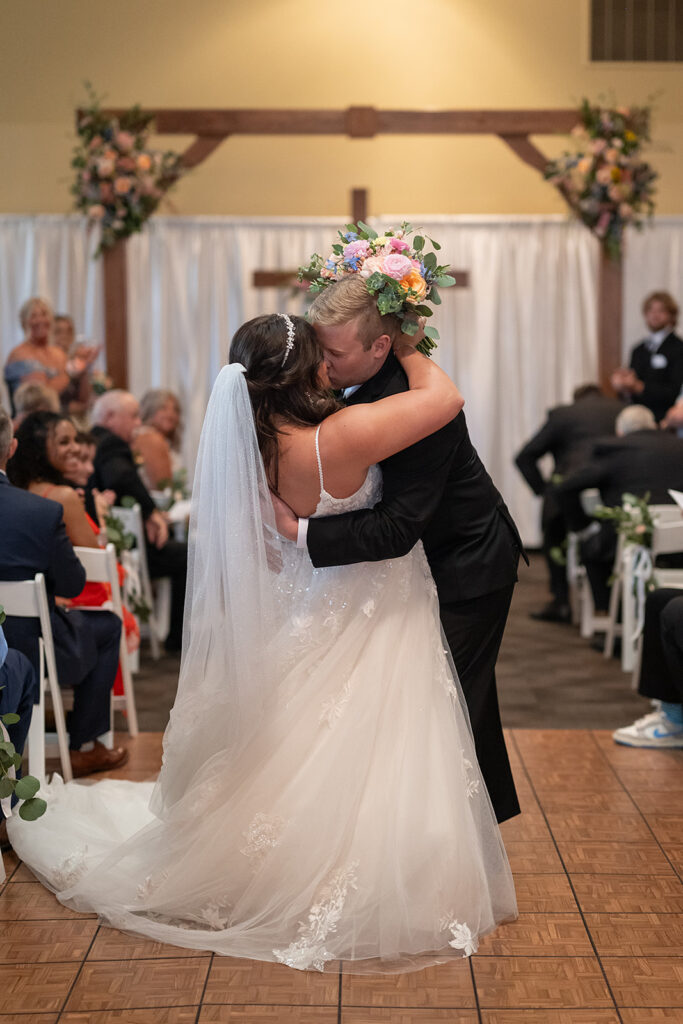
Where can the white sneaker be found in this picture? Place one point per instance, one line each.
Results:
(653, 730)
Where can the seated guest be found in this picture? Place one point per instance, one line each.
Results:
(116, 418)
(33, 397)
(640, 460)
(661, 674)
(655, 376)
(157, 442)
(568, 435)
(33, 539)
(77, 397)
(674, 417)
(18, 694)
(37, 359)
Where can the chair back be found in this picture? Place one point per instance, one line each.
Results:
(27, 599)
(590, 499)
(131, 520)
(100, 567)
(667, 538)
(666, 513)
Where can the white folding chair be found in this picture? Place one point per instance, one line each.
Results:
(27, 599)
(131, 519)
(580, 597)
(100, 567)
(667, 539)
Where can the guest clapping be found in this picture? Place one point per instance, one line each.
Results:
(655, 376)
(30, 397)
(157, 442)
(116, 419)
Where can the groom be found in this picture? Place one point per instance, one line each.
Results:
(436, 491)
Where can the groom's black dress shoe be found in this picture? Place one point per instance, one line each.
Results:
(553, 612)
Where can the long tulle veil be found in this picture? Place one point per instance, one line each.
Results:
(227, 670)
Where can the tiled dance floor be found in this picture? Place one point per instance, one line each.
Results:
(597, 857)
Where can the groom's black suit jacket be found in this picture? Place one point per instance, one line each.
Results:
(437, 490)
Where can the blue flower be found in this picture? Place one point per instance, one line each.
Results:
(353, 262)
(330, 265)
(350, 236)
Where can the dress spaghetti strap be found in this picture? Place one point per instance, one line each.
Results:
(317, 455)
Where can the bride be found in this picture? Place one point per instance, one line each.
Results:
(319, 798)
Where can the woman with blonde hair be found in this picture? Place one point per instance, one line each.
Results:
(157, 442)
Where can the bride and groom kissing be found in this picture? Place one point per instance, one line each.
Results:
(322, 796)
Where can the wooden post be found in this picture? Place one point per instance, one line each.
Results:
(610, 294)
(359, 204)
(116, 313)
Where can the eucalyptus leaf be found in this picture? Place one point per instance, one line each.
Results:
(434, 296)
(431, 332)
(33, 809)
(366, 229)
(16, 760)
(435, 244)
(445, 280)
(27, 787)
(430, 261)
(6, 787)
(7, 746)
(409, 327)
(10, 718)
(424, 311)
(418, 243)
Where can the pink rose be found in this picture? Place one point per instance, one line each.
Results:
(96, 212)
(397, 266)
(105, 167)
(126, 164)
(373, 265)
(124, 141)
(604, 175)
(398, 244)
(625, 211)
(359, 248)
(598, 145)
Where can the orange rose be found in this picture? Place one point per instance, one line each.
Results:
(144, 162)
(122, 185)
(414, 283)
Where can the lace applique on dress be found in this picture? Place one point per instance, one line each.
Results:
(333, 708)
(323, 918)
(463, 937)
(70, 869)
(262, 835)
(216, 915)
(469, 778)
(150, 885)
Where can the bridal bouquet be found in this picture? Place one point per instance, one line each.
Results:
(398, 272)
(607, 183)
(120, 181)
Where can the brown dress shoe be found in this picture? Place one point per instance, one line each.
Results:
(99, 759)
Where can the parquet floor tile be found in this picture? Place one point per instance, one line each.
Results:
(268, 1015)
(642, 780)
(533, 858)
(674, 851)
(628, 894)
(540, 982)
(656, 801)
(646, 981)
(111, 944)
(248, 981)
(36, 942)
(637, 934)
(159, 1015)
(553, 934)
(544, 894)
(524, 828)
(35, 988)
(598, 825)
(363, 1015)
(651, 1015)
(552, 780)
(29, 1018)
(616, 857)
(120, 984)
(550, 1017)
(448, 985)
(26, 901)
(666, 828)
(567, 802)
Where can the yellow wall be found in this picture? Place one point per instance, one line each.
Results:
(316, 53)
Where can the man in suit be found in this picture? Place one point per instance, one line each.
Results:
(568, 435)
(641, 460)
(116, 417)
(655, 376)
(436, 491)
(661, 675)
(33, 539)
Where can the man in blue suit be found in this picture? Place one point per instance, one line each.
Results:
(33, 539)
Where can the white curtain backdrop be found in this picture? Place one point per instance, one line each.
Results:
(517, 340)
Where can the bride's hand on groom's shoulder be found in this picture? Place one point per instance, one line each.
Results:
(286, 521)
(405, 342)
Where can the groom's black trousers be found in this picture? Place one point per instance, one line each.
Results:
(474, 630)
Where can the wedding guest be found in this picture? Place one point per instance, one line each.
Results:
(157, 442)
(77, 397)
(568, 435)
(661, 674)
(674, 417)
(33, 397)
(116, 419)
(640, 460)
(64, 333)
(18, 693)
(33, 539)
(37, 359)
(655, 376)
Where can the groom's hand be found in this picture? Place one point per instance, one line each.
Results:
(287, 523)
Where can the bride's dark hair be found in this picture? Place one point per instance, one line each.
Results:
(280, 395)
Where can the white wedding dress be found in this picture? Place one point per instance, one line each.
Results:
(332, 811)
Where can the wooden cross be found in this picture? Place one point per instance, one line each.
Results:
(211, 127)
(359, 211)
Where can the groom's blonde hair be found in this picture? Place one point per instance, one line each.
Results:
(348, 300)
